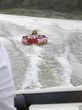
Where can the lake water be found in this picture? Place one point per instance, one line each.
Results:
(53, 64)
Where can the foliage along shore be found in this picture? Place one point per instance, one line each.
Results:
(77, 15)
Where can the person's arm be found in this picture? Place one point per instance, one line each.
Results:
(6, 83)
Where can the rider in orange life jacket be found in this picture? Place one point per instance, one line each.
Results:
(33, 35)
(7, 91)
(35, 38)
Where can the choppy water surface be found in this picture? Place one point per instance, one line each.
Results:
(49, 65)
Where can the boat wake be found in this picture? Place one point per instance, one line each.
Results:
(34, 66)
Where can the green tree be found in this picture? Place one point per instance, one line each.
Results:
(80, 4)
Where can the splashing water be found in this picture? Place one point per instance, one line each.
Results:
(67, 71)
(35, 66)
(31, 75)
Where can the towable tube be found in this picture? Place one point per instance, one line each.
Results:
(24, 100)
(41, 39)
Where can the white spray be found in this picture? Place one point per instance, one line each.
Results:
(31, 76)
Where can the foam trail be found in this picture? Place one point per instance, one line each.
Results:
(31, 76)
(67, 70)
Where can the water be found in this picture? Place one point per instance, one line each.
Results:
(49, 65)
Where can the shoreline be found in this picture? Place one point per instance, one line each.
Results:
(43, 13)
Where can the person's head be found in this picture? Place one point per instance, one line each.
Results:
(34, 32)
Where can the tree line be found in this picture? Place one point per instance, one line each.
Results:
(57, 5)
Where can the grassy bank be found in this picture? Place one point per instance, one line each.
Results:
(43, 13)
